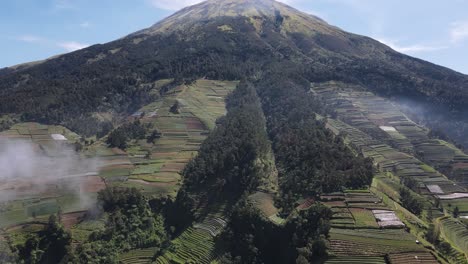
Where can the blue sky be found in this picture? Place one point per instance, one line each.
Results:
(433, 30)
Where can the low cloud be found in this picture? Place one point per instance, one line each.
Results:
(459, 31)
(72, 45)
(410, 49)
(173, 4)
(26, 169)
(29, 39)
(85, 24)
(68, 46)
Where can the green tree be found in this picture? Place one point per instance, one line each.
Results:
(432, 234)
(50, 245)
(456, 212)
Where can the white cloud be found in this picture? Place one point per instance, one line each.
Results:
(63, 4)
(29, 38)
(66, 45)
(410, 49)
(72, 45)
(179, 4)
(85, 24)
(173, 4)
(459, 31)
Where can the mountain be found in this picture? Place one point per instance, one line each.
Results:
(242, 131)
(222, 40)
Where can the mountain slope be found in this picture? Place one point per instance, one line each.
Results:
(221, 40)
(313, 155)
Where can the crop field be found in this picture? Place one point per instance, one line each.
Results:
(153, 168)
(371, 242)
(397, 163)
(399, 148)
(356, 260)
(19, 234)
(192, 246)
(456, 232)
(81, 231)
(382, 120)
(412, 258)
(24, 199)
(156, 168)
(356, 209)
(461, 203)
(196, 244)
(363, 218)
(138, 256)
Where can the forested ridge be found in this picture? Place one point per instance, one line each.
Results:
(310, 159)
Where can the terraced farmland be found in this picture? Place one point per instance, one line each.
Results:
(456, 232)
(412, 258)
(156, 168)
(371, 242)
(382, 120)
(400, 149)
(388, 159)
(356, 260)
(62, 179)
(192, 246)
(356, 209)
(138, 256)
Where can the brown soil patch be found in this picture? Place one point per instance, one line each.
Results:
(92, 184)
(71, 219)
(156, 184)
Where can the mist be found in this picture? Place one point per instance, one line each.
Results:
(27, 169)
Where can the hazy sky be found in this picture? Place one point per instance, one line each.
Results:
(434, 30)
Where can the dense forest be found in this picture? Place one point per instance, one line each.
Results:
(130, 223)
(248, 236)
(310, 159)
(231, 161)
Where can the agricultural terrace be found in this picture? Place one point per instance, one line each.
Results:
(34, 198)
(456, 232)
(397, 164)
(196, 244)
(371, 242)
(365, 230)
(382, 120)
(138, 256)
(377, 129)
(155, 167)
(360, 209)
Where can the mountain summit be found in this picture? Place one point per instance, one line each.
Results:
(221, 39)
(255, 11)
